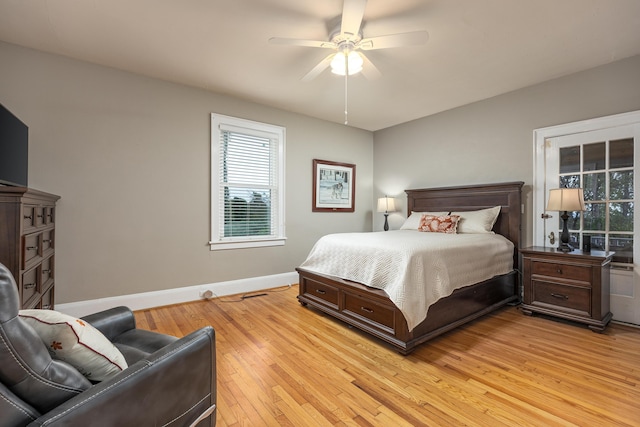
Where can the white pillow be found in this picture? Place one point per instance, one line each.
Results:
(413, 222)
(480, 221)
(77, 343)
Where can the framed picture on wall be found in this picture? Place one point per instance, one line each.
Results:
(334, 186)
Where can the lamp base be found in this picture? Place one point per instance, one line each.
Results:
(386, 222)
(564, 246)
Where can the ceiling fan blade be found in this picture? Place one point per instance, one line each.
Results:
(352, 14)
(369, 70)
(302, 42)
(315, 71)
(394, 40)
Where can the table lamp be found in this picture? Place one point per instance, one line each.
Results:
(386, 205)
(565, 200)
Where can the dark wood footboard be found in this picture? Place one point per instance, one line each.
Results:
(372, 311)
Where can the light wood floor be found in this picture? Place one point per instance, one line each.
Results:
(279, 363)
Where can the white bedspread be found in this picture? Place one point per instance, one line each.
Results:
(415, 269)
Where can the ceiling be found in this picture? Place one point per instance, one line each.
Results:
(476, 48)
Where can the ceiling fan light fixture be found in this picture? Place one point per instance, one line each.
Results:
(342, 59)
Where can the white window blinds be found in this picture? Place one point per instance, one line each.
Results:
(247, 182)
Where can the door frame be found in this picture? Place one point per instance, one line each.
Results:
(539, 139)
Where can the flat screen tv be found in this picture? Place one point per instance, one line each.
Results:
(14, 149)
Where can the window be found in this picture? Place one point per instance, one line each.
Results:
(247, 183)
(605, 170)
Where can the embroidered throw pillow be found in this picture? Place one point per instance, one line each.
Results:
(439, 224)
(77, 343)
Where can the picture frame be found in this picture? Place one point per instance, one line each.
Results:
(334, 186)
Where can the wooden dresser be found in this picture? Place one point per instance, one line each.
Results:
(27, 243)
(573, 285)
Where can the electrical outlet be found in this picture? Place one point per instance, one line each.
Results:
(206, 294)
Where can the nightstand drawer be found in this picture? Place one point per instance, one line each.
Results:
(559, 295)
(567, 271)
(378, 315)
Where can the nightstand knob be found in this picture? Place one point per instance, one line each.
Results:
(559, 271)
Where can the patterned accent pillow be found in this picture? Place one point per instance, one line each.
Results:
(77, 343)
(439, 224)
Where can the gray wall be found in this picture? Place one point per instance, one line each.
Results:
(130, 157)
(492, 140)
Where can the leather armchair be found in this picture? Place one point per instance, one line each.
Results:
(169, 381)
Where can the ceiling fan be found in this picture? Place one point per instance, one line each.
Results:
(347, 42)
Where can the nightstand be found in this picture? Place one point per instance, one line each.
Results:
(572, 285)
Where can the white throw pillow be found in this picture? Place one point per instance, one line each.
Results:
(413, 222)
(77, 343)
(480, 221)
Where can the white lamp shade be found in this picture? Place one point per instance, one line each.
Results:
(386, 204)
(340, 60)
(566, 199)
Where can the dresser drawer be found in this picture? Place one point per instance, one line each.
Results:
(559, 295)
(48, 237)
(49, 215)
(29, 285)
(41, 216)
(327, 294)
(47, 299)
(46, 269)
(378, 315)
(567, 271)
(30, 248)
(28, 217)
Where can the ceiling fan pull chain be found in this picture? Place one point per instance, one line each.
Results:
(346, 112)
(346, 92)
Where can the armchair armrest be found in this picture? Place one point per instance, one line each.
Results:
(171, 387)
(112, 322)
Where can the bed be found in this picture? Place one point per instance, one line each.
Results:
(372, 311)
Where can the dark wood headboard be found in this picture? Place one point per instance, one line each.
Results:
(473, 197)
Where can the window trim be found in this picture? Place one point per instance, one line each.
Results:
(217, 212)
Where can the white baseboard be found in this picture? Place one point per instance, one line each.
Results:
(152, 299)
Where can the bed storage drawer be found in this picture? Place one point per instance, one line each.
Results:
(376, 315)
(321, 292)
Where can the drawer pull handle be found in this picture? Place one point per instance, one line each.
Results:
(321, 292)
(559, 296)
(366, 309)
(47, 241)
(29, 285)
(46, 272)
(32, 248)
(40, 216)
(46, 307)
(28, 217)
(559, 271)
